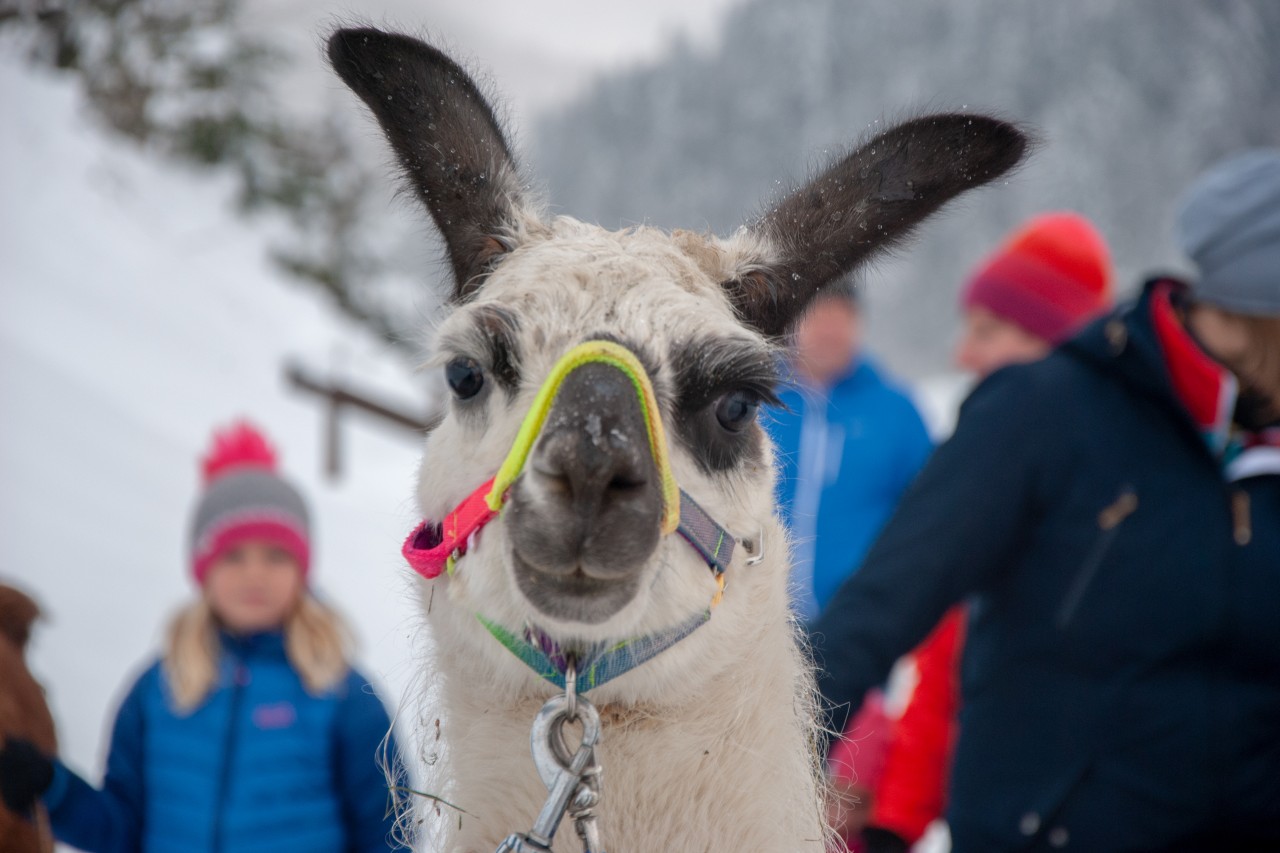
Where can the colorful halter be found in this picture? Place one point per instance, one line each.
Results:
(435, 547)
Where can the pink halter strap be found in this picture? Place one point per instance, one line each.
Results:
(431, 548)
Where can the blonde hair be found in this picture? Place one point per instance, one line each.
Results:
(316, 642)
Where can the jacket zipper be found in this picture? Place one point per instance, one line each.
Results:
(241, 678)
(1241, 524)
(1109, 523)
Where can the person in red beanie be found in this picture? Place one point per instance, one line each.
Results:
(1041, 285)
(253, 730)
(1049, 278)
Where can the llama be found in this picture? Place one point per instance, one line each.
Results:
(23, 714)
(711, 744)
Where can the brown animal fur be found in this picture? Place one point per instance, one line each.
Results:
(23, 713)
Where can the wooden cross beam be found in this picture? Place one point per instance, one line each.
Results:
(341, 396)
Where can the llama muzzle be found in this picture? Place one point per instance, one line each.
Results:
(587, 512)
(584, 511)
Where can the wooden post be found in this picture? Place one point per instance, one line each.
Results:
(338, 397)
(332, 440)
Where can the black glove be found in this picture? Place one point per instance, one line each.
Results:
(25, 774)
(878, 840)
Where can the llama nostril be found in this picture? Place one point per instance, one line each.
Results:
(551, 475)
(625, 483)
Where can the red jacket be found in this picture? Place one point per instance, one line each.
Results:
(912, 788)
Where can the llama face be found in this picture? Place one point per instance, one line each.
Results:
(578, 551)
(579, 540)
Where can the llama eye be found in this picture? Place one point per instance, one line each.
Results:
(465, 377)
(737, 409)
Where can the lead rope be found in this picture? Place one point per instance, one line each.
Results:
(573, 781)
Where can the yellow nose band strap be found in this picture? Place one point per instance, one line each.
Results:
(593, 352)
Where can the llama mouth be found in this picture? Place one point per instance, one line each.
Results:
(575, 596)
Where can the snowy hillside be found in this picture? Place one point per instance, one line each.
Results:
(136, 312)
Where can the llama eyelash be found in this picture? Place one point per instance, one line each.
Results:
(710, 368)
(490, 340)
(498, 328)
(707, 370)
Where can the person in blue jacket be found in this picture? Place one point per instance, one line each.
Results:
(848, 442)
(1112, 514)
(253, 732)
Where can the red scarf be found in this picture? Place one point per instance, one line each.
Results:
(1207, 391)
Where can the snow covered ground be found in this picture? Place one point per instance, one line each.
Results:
(136, 312)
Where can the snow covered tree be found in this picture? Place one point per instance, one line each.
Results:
(189, 80)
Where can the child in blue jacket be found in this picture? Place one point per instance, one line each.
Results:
(253, 732)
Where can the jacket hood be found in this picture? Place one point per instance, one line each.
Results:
(1124, 346)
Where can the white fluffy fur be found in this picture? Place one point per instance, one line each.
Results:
(709, 745)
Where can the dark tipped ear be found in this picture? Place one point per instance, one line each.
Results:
(867, 202)
(447, 140)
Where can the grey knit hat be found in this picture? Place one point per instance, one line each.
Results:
(1229, 226)
(244, 498)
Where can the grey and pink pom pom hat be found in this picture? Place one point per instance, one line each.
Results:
(245, 498)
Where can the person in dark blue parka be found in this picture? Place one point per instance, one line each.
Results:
(253, 732)
(1112, 514)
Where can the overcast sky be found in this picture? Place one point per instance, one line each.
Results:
(537, 52)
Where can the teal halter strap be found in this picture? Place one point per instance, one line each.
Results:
(595, 664)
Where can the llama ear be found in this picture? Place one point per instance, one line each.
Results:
(446, 138)
(867, 202)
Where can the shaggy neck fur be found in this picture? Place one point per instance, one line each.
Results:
(725, 763)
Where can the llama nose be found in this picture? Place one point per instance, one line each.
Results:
(591, 499)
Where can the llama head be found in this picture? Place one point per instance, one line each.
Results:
(578, 550)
